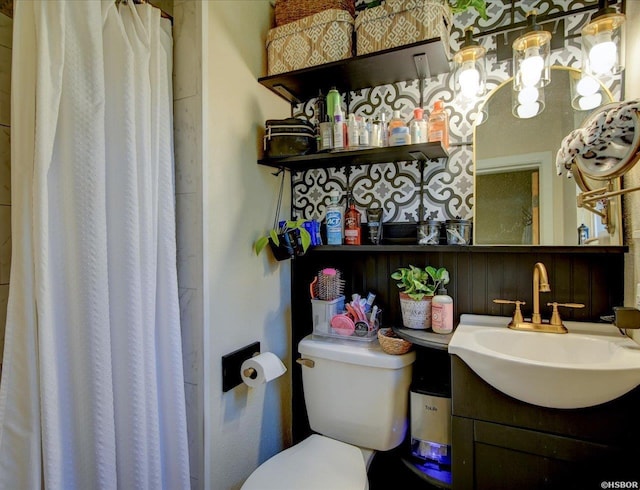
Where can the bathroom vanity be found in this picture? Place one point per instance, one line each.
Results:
(500, 442)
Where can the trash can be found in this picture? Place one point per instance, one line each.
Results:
(430, 408)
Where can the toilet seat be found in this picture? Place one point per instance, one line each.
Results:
(317, 463)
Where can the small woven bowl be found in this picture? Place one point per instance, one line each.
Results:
(391, 343)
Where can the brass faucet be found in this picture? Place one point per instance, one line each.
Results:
(540, 284)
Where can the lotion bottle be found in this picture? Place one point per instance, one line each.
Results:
(442, 312)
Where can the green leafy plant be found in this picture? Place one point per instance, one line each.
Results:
(418, 283)
(459, 6)
(274, 236)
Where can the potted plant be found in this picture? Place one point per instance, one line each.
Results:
(287, 241)
(418, 287)
(459, 6)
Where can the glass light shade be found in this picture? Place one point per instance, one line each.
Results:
(531, 60)
(527, 102)
(586, 92)
(471, 72)
(603, 44)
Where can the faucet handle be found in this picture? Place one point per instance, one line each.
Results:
(517, 314)
(555, 316)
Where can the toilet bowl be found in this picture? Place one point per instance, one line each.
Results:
(317, 463)
(356, 397)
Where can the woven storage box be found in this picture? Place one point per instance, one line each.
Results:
(314, 40)
(400, 22)
(291, 10)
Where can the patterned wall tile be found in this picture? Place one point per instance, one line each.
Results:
(448, 185)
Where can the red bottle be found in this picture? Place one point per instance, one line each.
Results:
(352, 225)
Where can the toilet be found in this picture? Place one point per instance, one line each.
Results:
(356, 397)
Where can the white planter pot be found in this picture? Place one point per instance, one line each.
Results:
(416, 314)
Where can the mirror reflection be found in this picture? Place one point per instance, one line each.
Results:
(519, 199)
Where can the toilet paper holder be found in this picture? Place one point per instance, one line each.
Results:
(232, 363)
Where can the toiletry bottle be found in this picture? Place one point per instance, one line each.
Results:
(334, 219)
(583, 234)
(352, 224)
(418, 127)
(339, 128)
(400, 136)
(326, 135)
(384, 133)
(325, 128)
(353, 139)
(439, 124)
(442, 312)
(333, 98)
(364, 135)
(395, 122)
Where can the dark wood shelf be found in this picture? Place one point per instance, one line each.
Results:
(499, 249)
(423, 59)
(403, 153)
(424, 338)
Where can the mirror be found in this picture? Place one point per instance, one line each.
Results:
(519, 199)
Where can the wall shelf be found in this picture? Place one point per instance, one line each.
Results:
(420, 151)
(423, 59)
(476, 249)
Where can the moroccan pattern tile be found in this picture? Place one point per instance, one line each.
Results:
(447, 185)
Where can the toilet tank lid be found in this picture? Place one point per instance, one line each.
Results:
(348, 351)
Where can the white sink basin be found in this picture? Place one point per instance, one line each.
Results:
(590, 365)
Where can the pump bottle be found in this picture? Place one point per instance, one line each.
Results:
(442, 312)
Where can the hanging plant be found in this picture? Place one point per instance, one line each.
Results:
(287, 238)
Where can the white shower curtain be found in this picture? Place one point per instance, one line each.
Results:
(92, 392)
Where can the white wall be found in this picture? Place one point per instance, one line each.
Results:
(246, 298)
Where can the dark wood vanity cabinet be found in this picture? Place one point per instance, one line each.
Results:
(502, 443)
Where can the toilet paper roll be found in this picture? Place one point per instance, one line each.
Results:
(261, 369)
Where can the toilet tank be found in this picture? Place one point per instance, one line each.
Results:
(355, 392)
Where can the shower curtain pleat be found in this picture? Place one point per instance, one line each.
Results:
(92, 382)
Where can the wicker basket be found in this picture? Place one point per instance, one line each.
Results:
(314, 40)
(391, 343)
(291, 10)
(400, 22)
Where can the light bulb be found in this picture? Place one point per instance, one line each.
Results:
(525, 111)
(587, 86)
(528, 95)
(588, 102)
(531, 67)
(469, 80)
(603, 54)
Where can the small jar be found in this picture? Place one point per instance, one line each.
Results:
(400, 136)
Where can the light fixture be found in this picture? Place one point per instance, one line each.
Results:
(471, 73)
(586, 92)
(531, 66)
(527, 102)
(603, 42)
